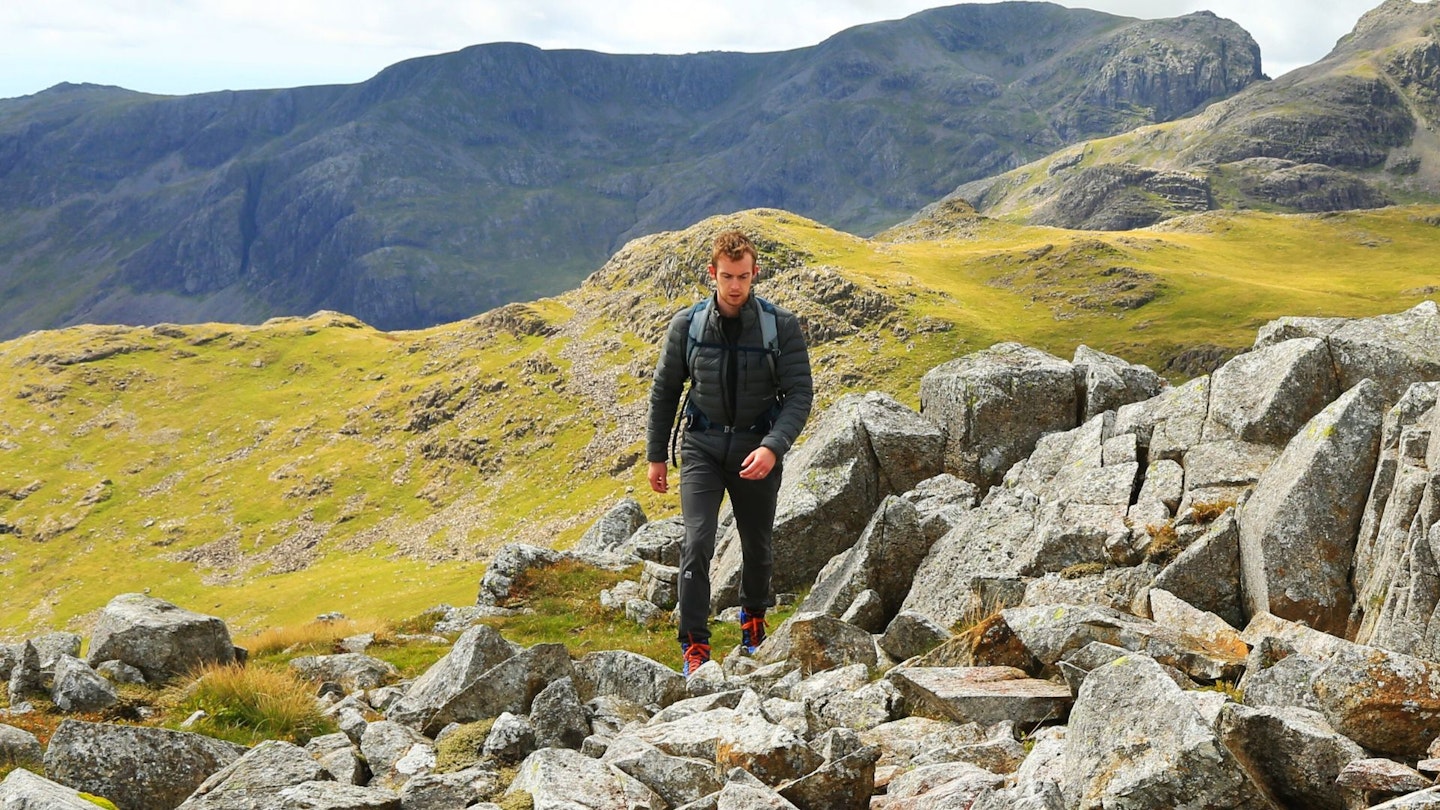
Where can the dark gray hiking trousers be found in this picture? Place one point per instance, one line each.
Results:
(710, 467)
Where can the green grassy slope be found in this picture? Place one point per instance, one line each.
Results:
(267, 474)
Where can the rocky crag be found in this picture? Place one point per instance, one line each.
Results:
(1080, 588)
(1354, 130)
(450, 185)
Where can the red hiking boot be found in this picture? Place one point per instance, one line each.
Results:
(752, 630)
(692, 655)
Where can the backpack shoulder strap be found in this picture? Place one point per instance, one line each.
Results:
(769, 330)
(770, 333)
(696, 332)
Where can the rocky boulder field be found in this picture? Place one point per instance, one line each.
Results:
(1061, 584)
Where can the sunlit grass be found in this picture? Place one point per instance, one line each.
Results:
(248, 704)
(566, 609)
(314, 638)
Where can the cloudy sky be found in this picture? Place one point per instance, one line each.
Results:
(192, 46)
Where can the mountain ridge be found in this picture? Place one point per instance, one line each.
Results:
(448, 185)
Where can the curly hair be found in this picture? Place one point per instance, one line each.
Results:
(734, 246)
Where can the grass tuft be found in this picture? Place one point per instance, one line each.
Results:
(519, 800)
(462, 747)
(1080, 570)
(421, 624)
(7, 768)
(251, 704)
(1207, 512)
(1230, 689)
(315, 638)
(1164, 544)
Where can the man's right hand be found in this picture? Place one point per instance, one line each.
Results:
(658, 477)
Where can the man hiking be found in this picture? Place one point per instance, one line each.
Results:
(750, 394)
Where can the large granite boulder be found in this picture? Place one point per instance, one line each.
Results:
(395, 753)
(1176, 419)
(973, 568)
(1207, 573)
(940, 785)
(558, 777)
(1388, 702)
(1135, 739)
(907, 447)
(816, 642)
(941, 502)
(478, 650)
(658, 541)
(679, 780)
(1065, 507)
(558, 716)
(23, 790)
(160, 639)
(629, 676)
(984, 695)
(736, 738)
(1223, 471)
(613, 528)
(509, 564)
(1396, 590)
(19, 747)
(50, 646)
(1392, 350)
(255, 780)
(994, 405)
(843, 783)
(1160, 494)
(884, 560)
(1051, 632)
(78, 688)
(509, 686)
(135, 766)
(352, 671)
(511, 739)
(861, 449)
(441, 791)
(1298, 528)
(1293, 752)
(1266, 395)
(1107, 383)
(26, 675)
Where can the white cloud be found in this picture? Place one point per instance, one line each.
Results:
(186, 46)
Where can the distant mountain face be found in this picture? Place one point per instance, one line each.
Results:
(449, 185)
(1357, 129)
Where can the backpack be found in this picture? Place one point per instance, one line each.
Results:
(695, 331)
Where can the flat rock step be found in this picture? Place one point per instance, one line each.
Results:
(982, 695)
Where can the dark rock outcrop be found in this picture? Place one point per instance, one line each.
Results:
(1348, 132)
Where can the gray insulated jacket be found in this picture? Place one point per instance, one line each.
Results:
(756, 386)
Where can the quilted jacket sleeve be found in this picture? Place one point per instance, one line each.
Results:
(666, 388)
(793, 369)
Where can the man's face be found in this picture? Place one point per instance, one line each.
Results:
(732, 282)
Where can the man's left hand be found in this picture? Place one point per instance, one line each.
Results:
(758, 464)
